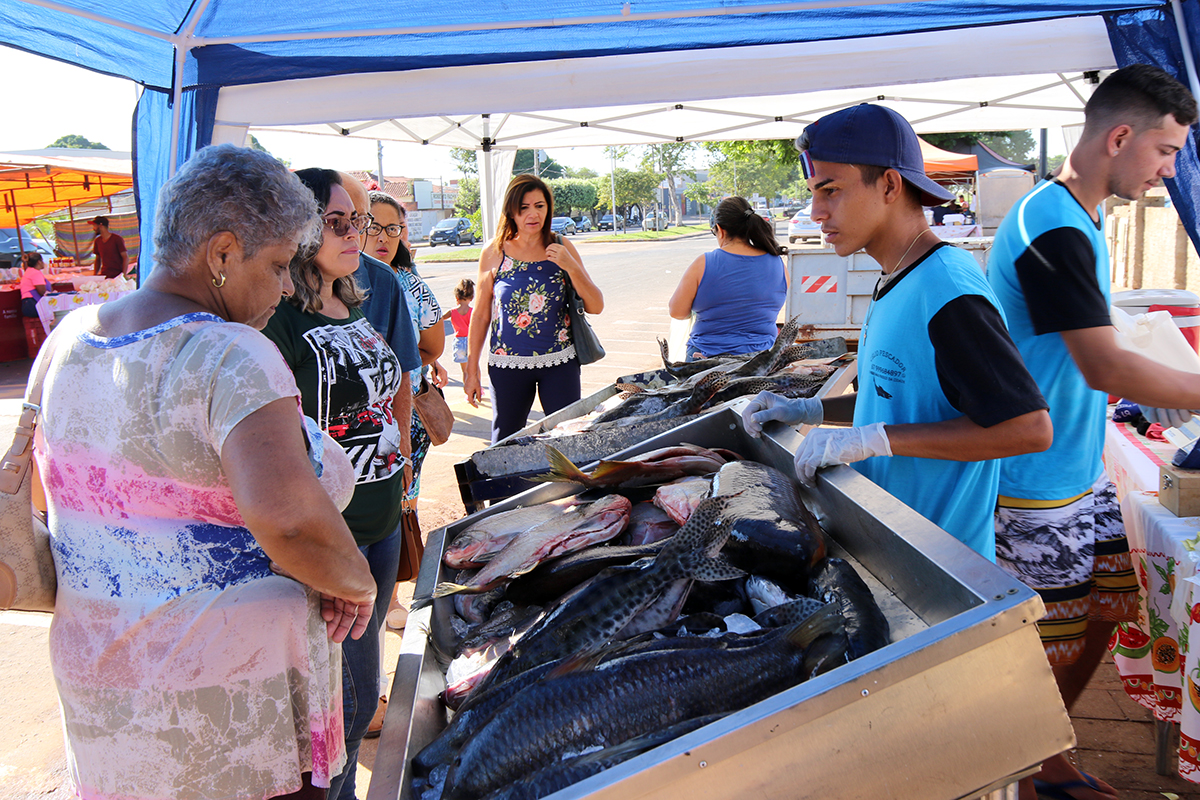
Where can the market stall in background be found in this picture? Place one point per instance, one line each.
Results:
(73, 186)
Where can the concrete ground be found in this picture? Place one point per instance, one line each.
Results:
(1115, 735)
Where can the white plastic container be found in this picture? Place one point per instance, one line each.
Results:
(1183, 306)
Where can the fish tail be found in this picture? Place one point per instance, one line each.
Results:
(717, 568)
(445, 589)
(666, 351)
(562, 468)
(704, 531)
(828, 620)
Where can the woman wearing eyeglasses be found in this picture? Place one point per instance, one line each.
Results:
(348, 377)
(735, 291)
(385, 239)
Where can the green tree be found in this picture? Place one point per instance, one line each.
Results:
(77, 142)
(580, 172)
(1014, 145)
(573, 193)
(748, 168)
(633, 189)
(672, 160)
(467, 202)
(548, 169)
(466, 160)
(706, 193)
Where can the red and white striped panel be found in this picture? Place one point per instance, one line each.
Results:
(818, 284)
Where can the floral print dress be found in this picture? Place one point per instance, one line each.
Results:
(185, 668)
(530, 326)
(425, 311)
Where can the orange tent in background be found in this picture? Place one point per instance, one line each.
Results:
(36, 184)
(943, 165)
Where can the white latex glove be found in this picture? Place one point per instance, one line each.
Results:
(824, 447)
(1167, 417)
(767, 406)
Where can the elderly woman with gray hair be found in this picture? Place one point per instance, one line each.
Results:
(205, 573)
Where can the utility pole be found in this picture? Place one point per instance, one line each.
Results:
(442, 191)
(379, 154)
(613, 179)
(537, 163)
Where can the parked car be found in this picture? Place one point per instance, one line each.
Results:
(583, 224)
(766, 214)
(792, 210)
(655, 221)
(10, 247)
(606, 223)
(563, 225)
(453, 231)
(801, 226)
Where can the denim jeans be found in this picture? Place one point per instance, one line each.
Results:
(360, 662)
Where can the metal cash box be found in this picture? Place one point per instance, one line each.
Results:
(959, 704)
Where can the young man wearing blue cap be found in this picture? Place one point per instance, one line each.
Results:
(943, 392)
(1058, 524)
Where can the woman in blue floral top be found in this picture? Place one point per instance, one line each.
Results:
(520, 310)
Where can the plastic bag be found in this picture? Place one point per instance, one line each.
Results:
(1157, 337)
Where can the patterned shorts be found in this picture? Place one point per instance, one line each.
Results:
(1074, 554)
(460, 350)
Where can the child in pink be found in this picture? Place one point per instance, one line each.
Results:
(460, 318)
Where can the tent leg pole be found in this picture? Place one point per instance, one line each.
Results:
(487, 204)
(75, 256)
(1189, 61)
(176, 110)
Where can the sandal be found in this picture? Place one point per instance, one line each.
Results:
(376, 726)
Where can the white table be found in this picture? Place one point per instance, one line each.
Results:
(1157, 667)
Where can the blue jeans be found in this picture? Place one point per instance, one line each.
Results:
(513, 390)
(360, 662)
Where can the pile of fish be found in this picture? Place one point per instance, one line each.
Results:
(694, 387)
(599, 627)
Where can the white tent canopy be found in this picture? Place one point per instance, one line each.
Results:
(1015, 76)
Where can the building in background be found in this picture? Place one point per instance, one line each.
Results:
(426, 203)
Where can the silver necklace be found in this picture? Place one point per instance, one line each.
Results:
(886, 278)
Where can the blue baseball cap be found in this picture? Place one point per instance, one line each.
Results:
(872, 135)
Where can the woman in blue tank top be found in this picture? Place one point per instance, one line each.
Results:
(735, 291)
(520, 312)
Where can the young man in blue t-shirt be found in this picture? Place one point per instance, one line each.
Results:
(1058, 524)
(942, 389)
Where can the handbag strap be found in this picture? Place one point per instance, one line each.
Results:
(16, 461)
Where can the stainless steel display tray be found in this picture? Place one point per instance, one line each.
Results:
(960, 701)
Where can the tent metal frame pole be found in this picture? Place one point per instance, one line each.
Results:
(184, 42)
(488, 217)
(1189, 61)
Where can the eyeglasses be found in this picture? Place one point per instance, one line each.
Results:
(393, 231)
(342, 225)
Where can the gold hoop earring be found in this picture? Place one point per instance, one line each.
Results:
(220, 283)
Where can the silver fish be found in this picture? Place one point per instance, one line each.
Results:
(574, 530)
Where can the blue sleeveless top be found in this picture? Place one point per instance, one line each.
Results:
(737, 303)
(530, 327)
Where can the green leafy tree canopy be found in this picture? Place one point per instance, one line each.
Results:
(77, 142)
(573, 193)
(1014, 145)
(467, 202)
(466, 160)
(547, 170)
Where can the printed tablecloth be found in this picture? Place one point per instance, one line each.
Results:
(1152, 655)
(54, 305)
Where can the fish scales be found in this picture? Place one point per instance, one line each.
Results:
(482, 540)
(627, 698)
(595, 613)
(569, 772)
(552, 579)
(579, 527)
(773, 534)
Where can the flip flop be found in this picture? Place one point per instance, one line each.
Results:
(1062, 791)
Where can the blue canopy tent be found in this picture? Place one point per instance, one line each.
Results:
(198, 58)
